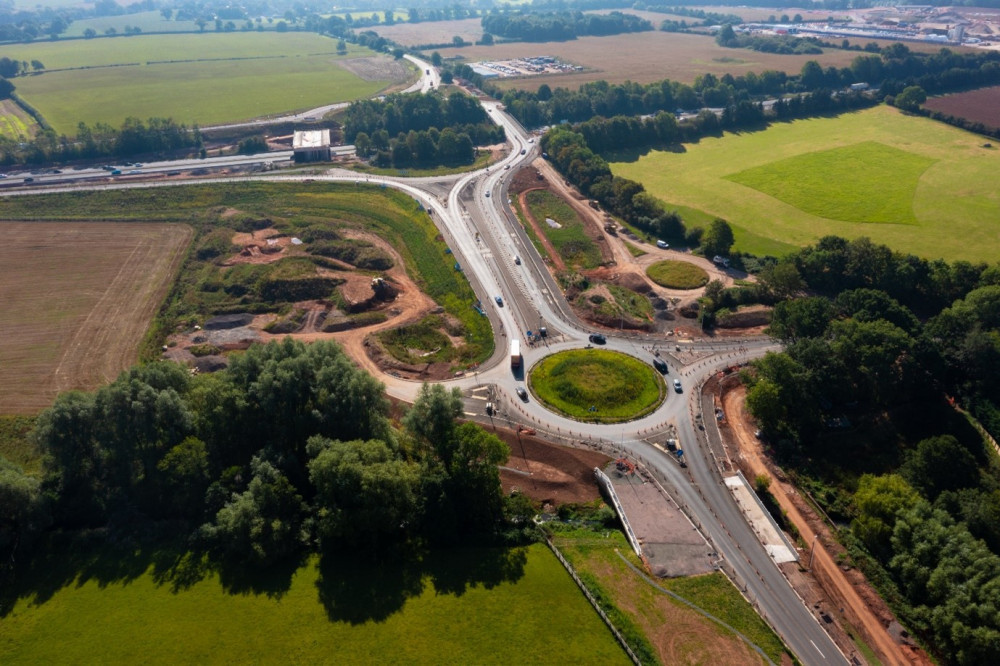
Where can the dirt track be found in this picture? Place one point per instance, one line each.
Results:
(849, 591)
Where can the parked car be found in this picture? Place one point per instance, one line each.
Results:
(677, 386)
(663, 245)
(598, 339)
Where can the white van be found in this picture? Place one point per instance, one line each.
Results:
(663, 245)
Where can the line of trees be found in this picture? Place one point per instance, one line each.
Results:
(419, 130)
(890, 71)
(858, 394)
(561, 26)
(288, 450)
(134, 137)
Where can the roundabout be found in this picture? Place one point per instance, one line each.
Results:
(597, 385)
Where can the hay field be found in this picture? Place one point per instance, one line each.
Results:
(916, 185)
(77, 299)
(644, 57)
(193, 78)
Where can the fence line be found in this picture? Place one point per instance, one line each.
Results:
(593, 602)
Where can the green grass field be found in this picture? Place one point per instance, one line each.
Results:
(914, 184)
(570, 240)
(692, 638)
(464, 606)
(148, 22)
(193, 78)
(617, 386)
(677, 275)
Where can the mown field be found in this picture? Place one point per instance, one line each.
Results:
(678, 634)
(914, 184)
(644, 57)
(15, 123)
(193, 78)
(465, 606)
(677, 274)
(77, 300)
(432, 32)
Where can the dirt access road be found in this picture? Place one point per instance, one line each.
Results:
(863, 609)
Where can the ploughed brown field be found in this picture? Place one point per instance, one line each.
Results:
(77, 299)
(980, 106)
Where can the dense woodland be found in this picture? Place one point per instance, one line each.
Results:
(287, 451)
(860, 407)
(419, 130)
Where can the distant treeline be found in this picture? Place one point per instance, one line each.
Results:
(561, 26)
(419, 130)
(134, 137)
(889, 71)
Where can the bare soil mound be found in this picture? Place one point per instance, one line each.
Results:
(547, 472)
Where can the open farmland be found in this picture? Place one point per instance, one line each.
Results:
(204, 79)
(15, 123)
(978, 106)
(148, 22)
(463, 606)
(643, 57)
(77, 301)
(914, 184)
(431, 32)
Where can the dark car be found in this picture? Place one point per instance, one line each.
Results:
(598, 339)
(521, 393)
(498, 300)
(660, 365)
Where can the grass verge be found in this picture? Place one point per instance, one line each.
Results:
(570, 240)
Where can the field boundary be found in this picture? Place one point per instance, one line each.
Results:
(593, 602)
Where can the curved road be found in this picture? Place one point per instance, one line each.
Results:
(470, 210)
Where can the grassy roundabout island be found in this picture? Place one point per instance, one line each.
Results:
(677, 274)
(597, 385)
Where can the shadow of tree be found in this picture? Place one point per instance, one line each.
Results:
(357, 590)
(351, 587)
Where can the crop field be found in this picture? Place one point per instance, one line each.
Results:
(77, 300)
(15, 123)
(570, 239)
(917, 185)
(204, 79)
(597, 385)
(463, 606)
(643, 57)
(980, 106)
(431, 32)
